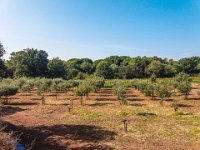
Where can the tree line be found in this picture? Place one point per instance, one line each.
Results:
(35, 63)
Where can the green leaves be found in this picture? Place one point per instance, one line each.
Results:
(120, 90)
(183, 83)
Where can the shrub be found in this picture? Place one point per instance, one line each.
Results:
(56, 85)
(183, 83)
(163, 90)
(120, 90)
(43, 86)
(7, 90)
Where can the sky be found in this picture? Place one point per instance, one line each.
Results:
(101, 28)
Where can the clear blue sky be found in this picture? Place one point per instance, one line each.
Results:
(100, 28)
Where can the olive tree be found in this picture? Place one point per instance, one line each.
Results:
(83, 89)
(56, 86)
(43, 86)
(183, 84)
(119, 90)
(6, 91)
(27, 87)
(163, 90)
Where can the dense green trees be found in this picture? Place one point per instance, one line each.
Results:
(29, 63)
(2, 66)
(56, 68)
(35, 63)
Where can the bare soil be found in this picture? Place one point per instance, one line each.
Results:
(99, 123)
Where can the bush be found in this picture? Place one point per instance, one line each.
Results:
(183, 83)
(43, 86)
(163, 90)
(119, 90)
(7, 90)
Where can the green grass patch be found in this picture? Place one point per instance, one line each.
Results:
(87, 114)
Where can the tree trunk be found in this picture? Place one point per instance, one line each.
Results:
(81, 101)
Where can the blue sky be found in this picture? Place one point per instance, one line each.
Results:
(100, 28)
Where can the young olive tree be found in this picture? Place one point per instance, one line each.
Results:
(6, 91)
(183, 84)
(163, 90)
(43, 86)
(56, 86)
(27, 87)
(146, 87)
(83, 89)
(119, 90)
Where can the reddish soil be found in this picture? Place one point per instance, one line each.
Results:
(43, 127)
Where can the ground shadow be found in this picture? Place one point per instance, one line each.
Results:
(194, 98)
(9, 110)
(184, 105)
(23, 103)
(169, 99)
(135, 99)
(99, 104)
(138, 105)
(105, 99)
(58, 137)
(104, 95)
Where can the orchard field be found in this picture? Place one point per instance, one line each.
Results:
(93, 114)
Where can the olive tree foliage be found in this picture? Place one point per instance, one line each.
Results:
(27, 87)
(90, 84)
(183, 83)
(56, 86)
(119, 90)
(163, 90)
(83, 90)
(43, 86)
(6, 91)
(146, 87)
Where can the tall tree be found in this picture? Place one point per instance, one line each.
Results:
(2, 66)
(30, 63)
(56, 68)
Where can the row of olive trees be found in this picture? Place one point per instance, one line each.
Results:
(41, 85)
(163, 89)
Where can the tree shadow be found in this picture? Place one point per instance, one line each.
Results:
(106, 99)
(9, 110)
(194, 98)
(99, 104)
(184, 105)
(169, 99)
(59, 137)
(135, 99)
(22, 103)
(138, 105)
(104, 95)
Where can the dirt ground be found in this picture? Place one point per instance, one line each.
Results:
(99, 123)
